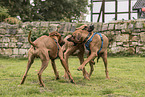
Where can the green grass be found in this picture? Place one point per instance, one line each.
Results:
(127, 79)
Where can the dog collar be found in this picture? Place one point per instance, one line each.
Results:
(57, 47)
(87, 37)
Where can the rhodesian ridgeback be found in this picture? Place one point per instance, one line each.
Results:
(96, 43)
(46, 48)
(74, 49)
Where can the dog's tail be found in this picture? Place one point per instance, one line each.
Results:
(29, 40)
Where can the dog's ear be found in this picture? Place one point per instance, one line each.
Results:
(54, 33)
(83, 27)
(91, 28)
(61, 42)
(51, 34)
(77, 37)
(58, 35)
(70, 39)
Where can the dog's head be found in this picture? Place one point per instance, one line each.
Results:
(85, 27)
(91, 28)
(57, 36)
(79, 35)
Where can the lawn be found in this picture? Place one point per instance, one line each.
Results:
(127, 79)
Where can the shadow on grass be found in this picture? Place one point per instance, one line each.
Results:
(107, 91)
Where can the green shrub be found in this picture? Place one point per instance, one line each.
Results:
(12, 20)
(79, 24)
(35, 33)
(3, 13)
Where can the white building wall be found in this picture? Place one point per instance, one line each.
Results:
(110, 7)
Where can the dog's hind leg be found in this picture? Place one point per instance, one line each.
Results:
(45, 59)
(55, 70)
(30, 62)
(43, 67)
(104, 56)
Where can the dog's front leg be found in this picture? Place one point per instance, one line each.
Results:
(92, 56)
(81, 58)
(91, 68)
(66, 56)
(91, 65)
(68, 52)
(64, 64)
(67, 70)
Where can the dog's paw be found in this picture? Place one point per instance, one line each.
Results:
(57, 78)
(92, 62)
(42, 85)
(72, 81)
(86, 73)
(19, 85)
(80, 68)
(86, 77)
(107, 78)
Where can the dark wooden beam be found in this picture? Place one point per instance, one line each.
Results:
(129, 12)
(114, 13)
(103, 10)
(102, 0)
(91, 10)
(103, 13)
(116, 6)
(100, 13)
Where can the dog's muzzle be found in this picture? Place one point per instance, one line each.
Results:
(70, 40)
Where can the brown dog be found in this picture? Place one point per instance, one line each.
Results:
(97, 46)
(46, 48)
(71, 48)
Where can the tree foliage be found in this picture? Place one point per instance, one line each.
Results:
(3, 13)
(20, 8)
(46, 10)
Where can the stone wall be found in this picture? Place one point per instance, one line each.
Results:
(13, 38)
(13, 41)
(124, 36)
